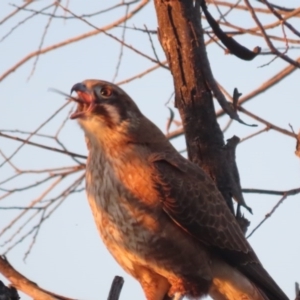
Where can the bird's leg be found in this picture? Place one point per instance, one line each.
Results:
(178, 296)
(155, 286)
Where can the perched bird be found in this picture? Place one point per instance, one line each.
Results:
(160, 216)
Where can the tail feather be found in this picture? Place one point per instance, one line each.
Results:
(258, 275)
(230, 283)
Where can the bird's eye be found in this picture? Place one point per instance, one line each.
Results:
(105, 92)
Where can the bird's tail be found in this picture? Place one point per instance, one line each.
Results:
(230, 284)
(263, 280)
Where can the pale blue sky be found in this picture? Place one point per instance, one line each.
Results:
(69, 257)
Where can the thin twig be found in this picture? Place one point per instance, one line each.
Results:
(122, 3)
(267, 128)
(19, 8)
(121, 48)
(267, 39)
(31, 134)
(273, 192)
(140, 75)
(23, 22)
(42, 146)
(278, 15)
(268, 215)
(116, 39)
(73, 40)
(42, 43)
(270, 125)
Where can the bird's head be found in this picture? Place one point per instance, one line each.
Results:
(104, 109)
(109, 116)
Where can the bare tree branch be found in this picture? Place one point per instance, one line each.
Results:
(115, 289)
(72, 40)
(25, 285)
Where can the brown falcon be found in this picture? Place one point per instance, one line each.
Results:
(160, 216)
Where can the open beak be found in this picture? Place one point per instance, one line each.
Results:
(84, 99)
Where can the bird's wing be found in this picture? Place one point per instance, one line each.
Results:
(193, 202)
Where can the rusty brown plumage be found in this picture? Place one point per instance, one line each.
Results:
(161, 216)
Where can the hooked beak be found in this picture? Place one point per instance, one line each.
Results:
(79, 87)
(84, 99)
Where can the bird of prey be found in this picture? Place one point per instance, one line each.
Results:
(160, 216)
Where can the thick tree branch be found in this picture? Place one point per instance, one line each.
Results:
(20, 282)
(256, 92)
(25, 285)
(181, 37)
(115, 289)
(8, 293)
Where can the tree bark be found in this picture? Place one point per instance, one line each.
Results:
(181, 37)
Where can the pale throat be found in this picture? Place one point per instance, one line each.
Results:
(111, 141)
